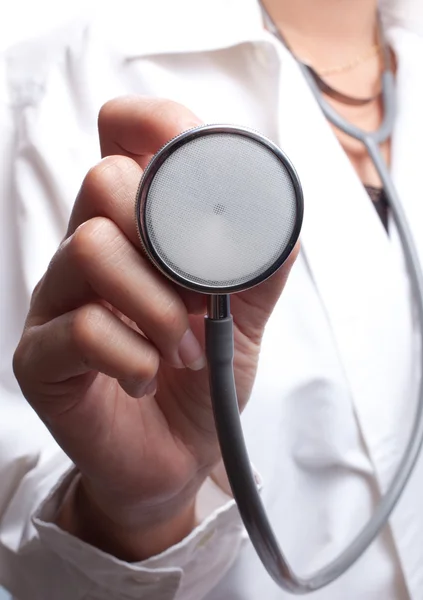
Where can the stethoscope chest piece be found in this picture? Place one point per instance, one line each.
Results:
(219, 209)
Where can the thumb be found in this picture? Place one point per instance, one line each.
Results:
(251, 309)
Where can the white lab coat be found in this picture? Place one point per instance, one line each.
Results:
(338, 377)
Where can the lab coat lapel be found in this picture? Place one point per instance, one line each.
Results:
(356, 272)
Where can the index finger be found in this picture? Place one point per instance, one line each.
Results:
(135, 127)
(139, 126)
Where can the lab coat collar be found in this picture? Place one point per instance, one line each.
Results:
(213, 25)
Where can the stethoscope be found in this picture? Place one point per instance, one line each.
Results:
(218, 211)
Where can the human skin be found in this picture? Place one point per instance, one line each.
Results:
(112, 358)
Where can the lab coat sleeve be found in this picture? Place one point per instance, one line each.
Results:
(49, 563)
(38, 560)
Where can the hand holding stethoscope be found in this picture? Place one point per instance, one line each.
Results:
(112, 356)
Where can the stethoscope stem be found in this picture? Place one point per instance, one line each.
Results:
(218, 306)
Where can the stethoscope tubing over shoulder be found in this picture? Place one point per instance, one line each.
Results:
(227, 418)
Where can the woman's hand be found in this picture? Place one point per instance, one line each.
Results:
(112, 358)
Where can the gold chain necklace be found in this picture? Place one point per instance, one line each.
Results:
(324, 87)
(353, 63)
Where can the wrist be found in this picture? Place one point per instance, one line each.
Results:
(157, 530)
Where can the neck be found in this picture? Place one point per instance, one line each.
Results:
(324, 32)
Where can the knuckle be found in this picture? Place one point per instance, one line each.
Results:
(90, 238)
(151, 361)
(170, 314)
(109, 189)
(37, 292)
(148, 366)
(18, 361)
(101, 178)
(85, 325)
(38, 285)
(92, 184)
(22, 359)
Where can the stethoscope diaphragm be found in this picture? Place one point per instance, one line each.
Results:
(219, 209)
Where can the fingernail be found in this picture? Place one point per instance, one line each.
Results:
(138, 389)
(191, 353)
(151, 388)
